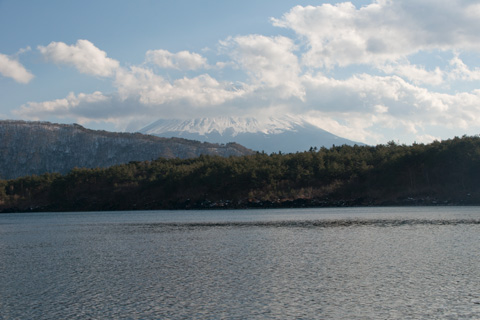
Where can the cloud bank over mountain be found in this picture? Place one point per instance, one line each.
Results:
(402, 70)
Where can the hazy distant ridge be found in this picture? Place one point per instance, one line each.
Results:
(37, 147)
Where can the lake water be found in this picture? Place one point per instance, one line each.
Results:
(353, 263)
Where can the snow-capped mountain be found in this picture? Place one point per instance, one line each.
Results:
(286, 134)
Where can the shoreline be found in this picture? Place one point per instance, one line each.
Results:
(258, 204)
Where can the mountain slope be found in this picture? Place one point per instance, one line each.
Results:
(287, 134)
(38, 147)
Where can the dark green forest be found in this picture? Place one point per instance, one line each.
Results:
(440, 173)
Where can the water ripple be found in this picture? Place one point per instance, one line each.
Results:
(280, 266)
(312, 223)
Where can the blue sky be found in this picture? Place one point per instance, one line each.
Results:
(370, 71)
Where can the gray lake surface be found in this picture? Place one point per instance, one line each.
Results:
(345, 263)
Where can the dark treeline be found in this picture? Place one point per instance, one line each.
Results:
(446, 172)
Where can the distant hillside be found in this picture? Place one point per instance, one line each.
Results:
(288, 134)
(39, 147)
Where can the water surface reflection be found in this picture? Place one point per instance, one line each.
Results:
(287, 264)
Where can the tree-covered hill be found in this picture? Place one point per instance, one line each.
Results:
(38, 147)
(446, 172)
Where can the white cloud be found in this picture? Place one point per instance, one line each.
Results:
(383, 31)
(141, 83)
(141, 95)
(366, 106)
(350, 70)
(461, 71)
(361, 107)
(426, 138)
(269, 61)
(183, 60)
(23, 50)
(415, 74)
(205, 91)
(11, 68)
(152, 89)
(84, 56)
(71, 105)
(355, 127)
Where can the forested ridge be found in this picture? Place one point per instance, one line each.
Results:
(32, 147)
(446, 172)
